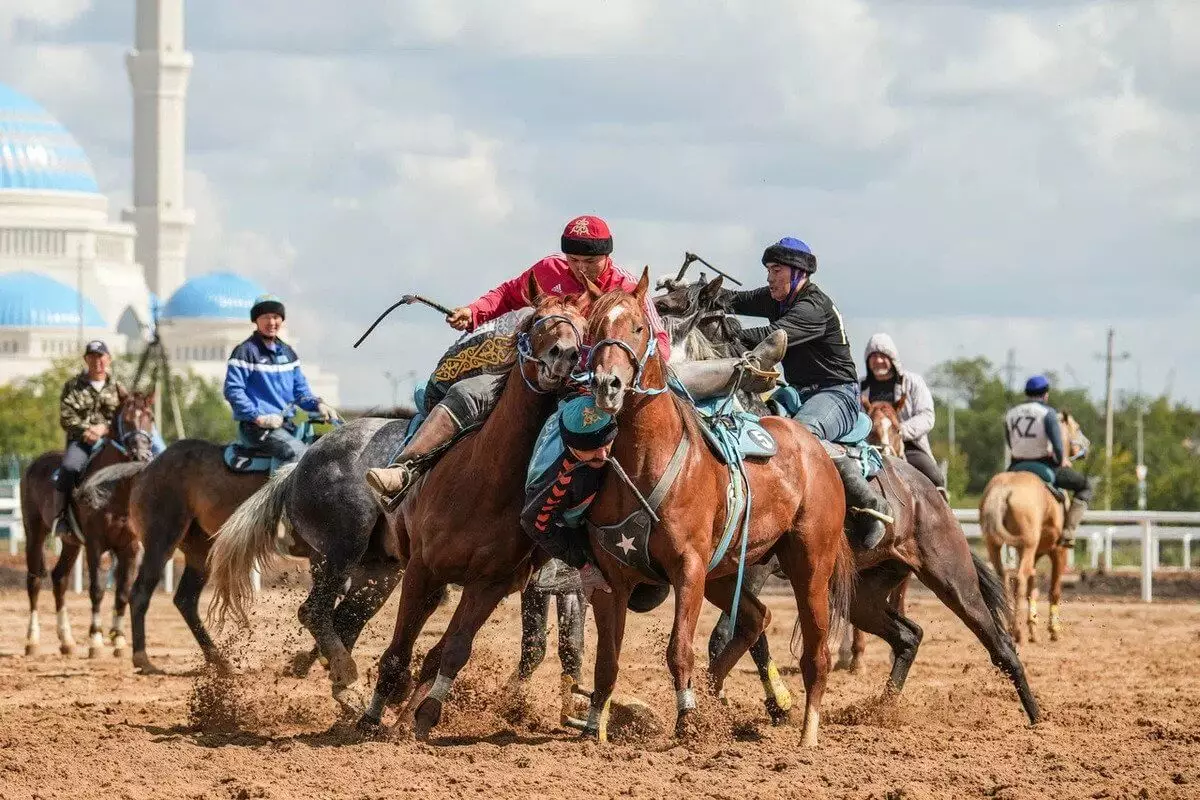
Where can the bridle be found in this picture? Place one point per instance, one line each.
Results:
(639, 364)
(125, 439)
(525, 354)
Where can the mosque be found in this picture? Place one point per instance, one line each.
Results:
(70, 273)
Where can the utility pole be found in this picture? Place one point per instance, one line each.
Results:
(1141, 461)
(1010, 370)
(79, 291)
(1109, 358)
(395, 380)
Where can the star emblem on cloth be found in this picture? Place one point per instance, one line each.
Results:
(580, 227)
(626, 544)
(590, 416)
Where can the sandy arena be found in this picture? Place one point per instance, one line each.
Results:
(1120, 694)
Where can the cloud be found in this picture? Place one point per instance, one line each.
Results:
(974, 176)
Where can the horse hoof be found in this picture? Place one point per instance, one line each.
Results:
(589, 735)
(95, 652)
(342, 670)
(67, 649)
(350, 699)
(429, 713)
(843, 665)
(143, 666)
(858, 667)
(777, 713)
(686, 728)
(369, 726)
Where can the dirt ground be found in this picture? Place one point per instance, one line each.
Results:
(1120, 694)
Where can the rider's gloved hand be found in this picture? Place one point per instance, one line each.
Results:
(591, 579)
(328, 412)
(269, 421)
(460, 319)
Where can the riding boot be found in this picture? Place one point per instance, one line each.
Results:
(1071, 523)
(62, 525)
(755, 372)
(392, 481)
(867, 511)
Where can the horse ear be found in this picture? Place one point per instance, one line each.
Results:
(711, 292)
(533, 291)
(900, 403)
(594, 292)
(643, 285)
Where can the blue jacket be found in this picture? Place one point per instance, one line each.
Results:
(260, 379)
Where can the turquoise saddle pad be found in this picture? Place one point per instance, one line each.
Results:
(723, 424)
(1043, 471)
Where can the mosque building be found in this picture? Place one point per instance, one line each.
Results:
(70, 273)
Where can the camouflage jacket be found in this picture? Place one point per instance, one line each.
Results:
(80, 406)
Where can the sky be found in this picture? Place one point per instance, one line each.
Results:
(975, 177)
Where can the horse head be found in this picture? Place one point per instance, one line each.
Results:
(551, 340)
(885, 425)
(623, 345)
(1077, 443)
(132, 426)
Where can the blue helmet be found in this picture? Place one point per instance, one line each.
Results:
(791, 252)
(1037, 385)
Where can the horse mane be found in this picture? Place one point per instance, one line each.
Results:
(97, 491)
(610, 300)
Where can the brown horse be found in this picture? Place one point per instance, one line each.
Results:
(104, 529)
(797, 512)
(1017, 509)
(180, 500)
(461, 522)
(885, 434)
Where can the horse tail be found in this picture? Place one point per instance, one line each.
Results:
(841, 595)
(992, 589)
(247, 537)
(992, 511)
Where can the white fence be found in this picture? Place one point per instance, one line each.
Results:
(1099, 530)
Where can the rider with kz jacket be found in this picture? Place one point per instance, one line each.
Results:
(818, 364)
(263, 382)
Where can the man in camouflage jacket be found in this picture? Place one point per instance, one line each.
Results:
(87, 404)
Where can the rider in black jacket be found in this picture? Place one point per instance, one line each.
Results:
(818, 364)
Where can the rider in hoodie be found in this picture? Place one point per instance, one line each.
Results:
(888, 381)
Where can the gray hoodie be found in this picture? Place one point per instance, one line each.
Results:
(916, 417)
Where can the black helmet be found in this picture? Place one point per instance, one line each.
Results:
(267, 304)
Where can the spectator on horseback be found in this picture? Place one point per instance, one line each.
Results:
(1033, 433)
(264, 384)
(87, 404)
(818, 364)
(557, 499)
(585, 261)
(887, 381)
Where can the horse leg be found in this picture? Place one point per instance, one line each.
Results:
(996, 557)
(58, 580)
(811, 587)
(1058, 566)
(187, 600)
(420, 594)
(753, 619)
(571, 609)
(127, 562)
(477, 603)
(1027, 591)
(367, 595)
(609, 611)
(689, 598)
(872, 612)
(35, 566)
(96, 582)
(329, 575)
(160, 539)
(755, 579)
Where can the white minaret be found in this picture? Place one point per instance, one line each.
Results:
(158, 70)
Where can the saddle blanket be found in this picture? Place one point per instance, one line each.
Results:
(1043, 471)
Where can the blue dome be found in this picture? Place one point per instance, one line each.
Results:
(33, 300)
(217, 295)
(36, 152)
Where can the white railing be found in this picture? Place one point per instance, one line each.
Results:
(1101, 528)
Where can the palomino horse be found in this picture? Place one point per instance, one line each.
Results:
(1017, 509)
(461, 523)
(925, 540)
(797, 516)
(104, 529)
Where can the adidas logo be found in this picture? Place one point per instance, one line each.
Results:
(557, 288)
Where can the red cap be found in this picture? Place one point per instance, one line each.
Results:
(587, 236)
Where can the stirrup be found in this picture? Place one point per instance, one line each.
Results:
(886, 519)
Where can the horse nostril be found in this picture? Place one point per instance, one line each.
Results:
(555, 351)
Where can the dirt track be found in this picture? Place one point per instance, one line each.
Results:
(1121, 695)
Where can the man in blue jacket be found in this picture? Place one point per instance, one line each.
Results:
(263, 383)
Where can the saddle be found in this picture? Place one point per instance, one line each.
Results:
(246, 457)
(733, 433)
(786, 402)
(1043, 471)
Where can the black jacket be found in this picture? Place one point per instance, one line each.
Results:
(818, 353)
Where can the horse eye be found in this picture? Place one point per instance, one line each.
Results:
(638, 330)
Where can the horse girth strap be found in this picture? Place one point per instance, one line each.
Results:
(668, 478)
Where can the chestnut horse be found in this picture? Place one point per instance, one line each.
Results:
(461, 523)
(1017, 509)
(796, 515)
(925, 540)
(104, 529)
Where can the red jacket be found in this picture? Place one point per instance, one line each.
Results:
(554, 276)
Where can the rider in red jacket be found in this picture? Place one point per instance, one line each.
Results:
(586, 256)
